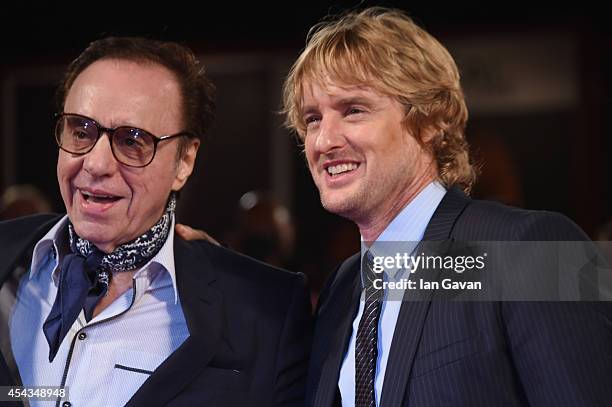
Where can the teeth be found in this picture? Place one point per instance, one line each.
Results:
(95, 196)
(340, 168)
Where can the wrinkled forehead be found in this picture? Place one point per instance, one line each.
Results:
(118, 92)
(334, 84)
(337, 90)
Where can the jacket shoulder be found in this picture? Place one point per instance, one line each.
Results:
(23, 228)
(487, 220)
(233, 266)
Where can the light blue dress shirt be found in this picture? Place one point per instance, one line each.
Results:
(105, 360)
(407, 229)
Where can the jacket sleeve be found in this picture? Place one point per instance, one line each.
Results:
(562, 351)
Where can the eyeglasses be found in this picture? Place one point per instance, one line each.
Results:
(134, 147)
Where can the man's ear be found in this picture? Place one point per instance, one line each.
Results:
(186, 163)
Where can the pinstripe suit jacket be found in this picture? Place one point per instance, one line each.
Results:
(249, 326)
(475, 353)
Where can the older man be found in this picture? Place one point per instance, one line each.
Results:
(378, 105)
(105, 301)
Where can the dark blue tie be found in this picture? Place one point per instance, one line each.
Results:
(79, 288)
(366, 348)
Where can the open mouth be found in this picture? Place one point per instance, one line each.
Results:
(336, 170)
(98, 198)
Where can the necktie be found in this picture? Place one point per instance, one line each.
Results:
(366, 349)
(79, 287)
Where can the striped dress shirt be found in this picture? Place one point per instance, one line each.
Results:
(405, 230)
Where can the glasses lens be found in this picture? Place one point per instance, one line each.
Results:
(133, 146)
(76, 134)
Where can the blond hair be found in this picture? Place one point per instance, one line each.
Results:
(383, 48)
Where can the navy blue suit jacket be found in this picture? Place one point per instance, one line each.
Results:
(475, 353)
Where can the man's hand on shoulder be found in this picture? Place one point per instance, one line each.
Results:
(189, 233)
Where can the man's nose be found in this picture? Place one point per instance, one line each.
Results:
(100, 160)
(331, 135)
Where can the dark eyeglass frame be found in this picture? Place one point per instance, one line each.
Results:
(111, 132)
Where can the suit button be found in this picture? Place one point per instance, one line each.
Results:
(66, 404)
(82, 336)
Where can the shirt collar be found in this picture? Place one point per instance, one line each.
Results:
(408, 228)
(164, 260)
(55, 243)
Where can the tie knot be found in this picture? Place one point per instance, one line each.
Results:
(368, 275)
(94, 259)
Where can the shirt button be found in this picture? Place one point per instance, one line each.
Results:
(66, 404)
(82, 336)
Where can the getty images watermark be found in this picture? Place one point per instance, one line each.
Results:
(493, 271)
(412, 263)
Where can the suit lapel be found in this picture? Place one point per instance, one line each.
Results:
(413, 312)
(445, 216)
(342, 306)
(202, 306)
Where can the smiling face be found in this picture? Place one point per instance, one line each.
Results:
(363, 160)
(110, 203)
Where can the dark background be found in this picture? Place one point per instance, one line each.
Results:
(546, 155)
